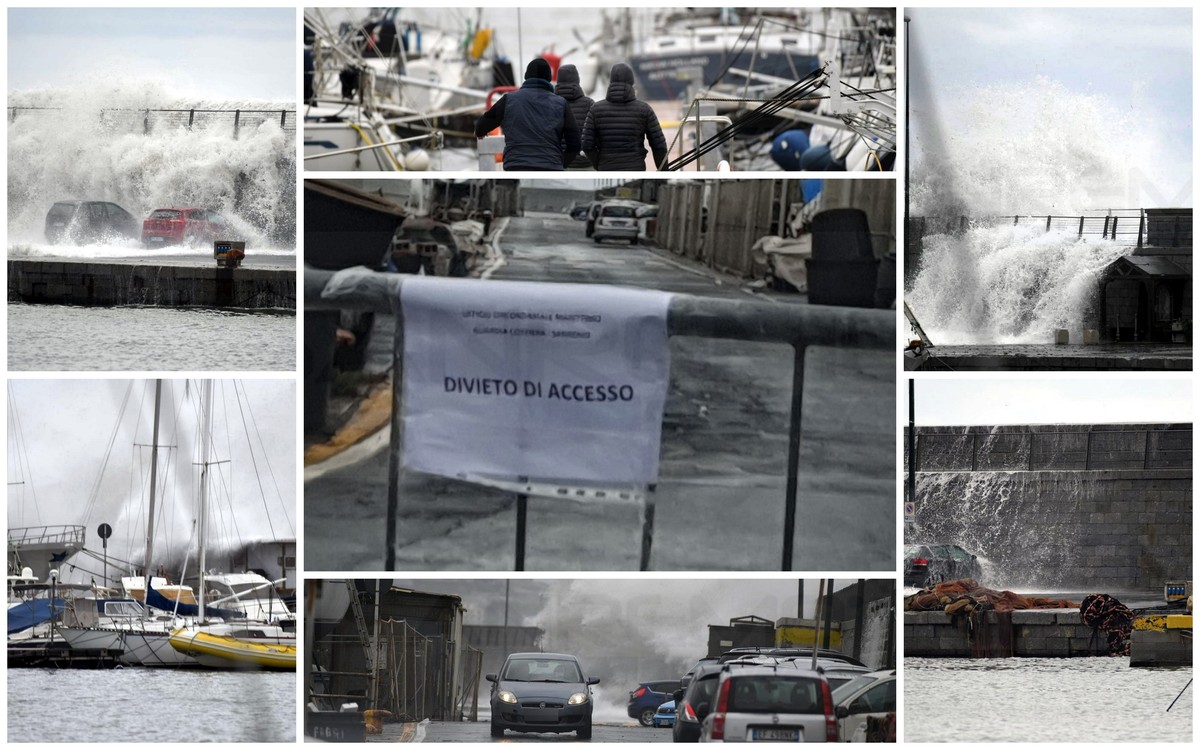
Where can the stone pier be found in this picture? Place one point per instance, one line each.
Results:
(88, 283)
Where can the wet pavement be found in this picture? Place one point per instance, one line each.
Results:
(1060, 357)
(480, 731)
(720, 500)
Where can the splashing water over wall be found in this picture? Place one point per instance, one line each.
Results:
(91, 148)
(1025, 526)
(1009, 284)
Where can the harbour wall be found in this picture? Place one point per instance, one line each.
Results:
(1104, 507)
(112, 284)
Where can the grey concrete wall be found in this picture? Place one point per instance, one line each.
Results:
(1097, 507)
(1045, 633)
(105, 284)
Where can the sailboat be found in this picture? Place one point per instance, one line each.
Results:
(226, 643)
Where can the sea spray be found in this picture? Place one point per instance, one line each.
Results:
(91, 143)
(648, 630)
(1008, 284)
(1028, 147)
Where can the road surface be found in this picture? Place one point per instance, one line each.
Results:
(720, 500)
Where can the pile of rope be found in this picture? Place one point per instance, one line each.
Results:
(966, 597)
(791, 96)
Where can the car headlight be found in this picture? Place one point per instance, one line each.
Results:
(506, 696)
(577, 698)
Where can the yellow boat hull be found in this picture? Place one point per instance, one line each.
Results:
(218, 650)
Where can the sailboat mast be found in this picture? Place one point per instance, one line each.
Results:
(205, 438)
(153, 485)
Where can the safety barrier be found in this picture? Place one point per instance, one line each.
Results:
(799, 326)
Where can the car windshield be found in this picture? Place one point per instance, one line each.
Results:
(759, 694)
(620, 212)
(843, 692)
(542, 670)
(165, 213)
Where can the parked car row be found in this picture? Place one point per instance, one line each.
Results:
(82, 222)
(768, 695)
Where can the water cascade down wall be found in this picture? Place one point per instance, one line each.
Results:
(1060, 506)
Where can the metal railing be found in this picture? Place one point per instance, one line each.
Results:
(1067, 450)
(148, 121)
(67, 535)
(1132, 225)
(799, 326)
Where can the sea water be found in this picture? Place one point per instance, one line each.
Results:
(1044, 700)
(150, 705)
(62, 337)
(1030, 148)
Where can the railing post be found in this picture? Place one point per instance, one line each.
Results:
(1087, 456)
(191, 118)
(1080, 226)
(1114, 228)
(282, 119)
(1016, 220)
(1104, 234)
(522, 513)
(793, 467)
(394, 442)
(1047, 223)
(237, 120)
(1146, 458)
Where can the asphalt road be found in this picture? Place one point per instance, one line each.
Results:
(720, 500)
(464, 731)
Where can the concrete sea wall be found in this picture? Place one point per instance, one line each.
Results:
(109, 284)
(1105, 507)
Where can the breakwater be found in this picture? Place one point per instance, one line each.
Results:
(120, 284)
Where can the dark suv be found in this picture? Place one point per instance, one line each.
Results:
(645, 700)
(80, 222)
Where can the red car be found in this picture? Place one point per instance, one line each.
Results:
(165, 226)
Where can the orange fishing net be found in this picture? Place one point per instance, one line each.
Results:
(966, 595)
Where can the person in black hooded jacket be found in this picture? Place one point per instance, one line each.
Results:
(540, 133)
(619, 124)
(568, 88)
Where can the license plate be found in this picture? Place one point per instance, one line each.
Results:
(541, 715)
(775, 735)
(156, 239)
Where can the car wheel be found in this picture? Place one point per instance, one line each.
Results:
(497, 730)
(585, 731)
(647, 717)
(597, 240)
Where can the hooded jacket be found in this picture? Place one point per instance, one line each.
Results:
(568, 88)
(539, 131)
(619, 125)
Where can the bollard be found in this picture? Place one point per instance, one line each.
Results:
(1062, 337)
(1091, 337)
(489, 148)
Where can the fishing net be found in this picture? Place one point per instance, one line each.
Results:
(966, 596)
(1103, 612)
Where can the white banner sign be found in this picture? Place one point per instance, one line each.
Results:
(551, 382)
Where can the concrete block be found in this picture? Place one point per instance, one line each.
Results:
(1091, 337)
(1062, 337)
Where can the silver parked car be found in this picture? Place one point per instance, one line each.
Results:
(771, 704)
(871, 695)
(617, 220)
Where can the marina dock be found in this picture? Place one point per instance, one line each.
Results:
(62, 282)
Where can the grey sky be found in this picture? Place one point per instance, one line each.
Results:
(66, 425)
(1137, 62)
(213, 53)
(1003, 401)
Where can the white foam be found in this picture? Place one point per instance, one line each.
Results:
(80, 153)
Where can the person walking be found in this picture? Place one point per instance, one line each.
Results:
(619, 125)
(568, 88)
(540, 133)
